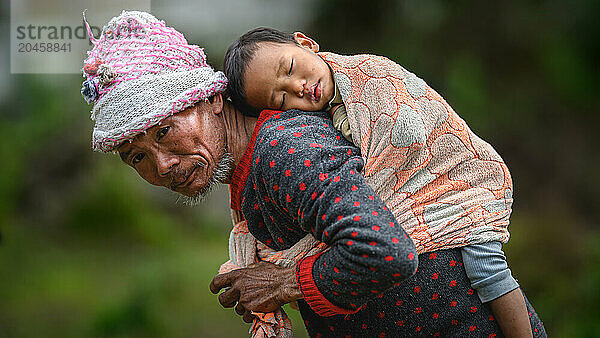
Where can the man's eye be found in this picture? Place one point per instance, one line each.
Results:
(291, 67)
(137, 158)
(162, 132)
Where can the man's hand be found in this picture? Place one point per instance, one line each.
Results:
(261, 287)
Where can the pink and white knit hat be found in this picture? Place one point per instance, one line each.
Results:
(140, 72)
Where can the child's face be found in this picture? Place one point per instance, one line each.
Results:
(283, 76)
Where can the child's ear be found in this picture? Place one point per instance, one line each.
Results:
(306, 42)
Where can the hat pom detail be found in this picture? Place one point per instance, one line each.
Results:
(92, 69)
(106, 75)
(89, 91)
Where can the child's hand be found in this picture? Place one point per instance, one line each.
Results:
(335, 107)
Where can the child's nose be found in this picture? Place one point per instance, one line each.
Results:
(300, 88)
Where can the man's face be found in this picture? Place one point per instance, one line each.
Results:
(184, 152)
(283, 76)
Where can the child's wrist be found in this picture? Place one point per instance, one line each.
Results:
(334, 108)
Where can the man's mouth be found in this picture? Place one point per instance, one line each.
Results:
(316, 91)
(188, 180)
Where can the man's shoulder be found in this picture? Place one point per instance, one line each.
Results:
(286, 122)
(297, 130)
(292, 116)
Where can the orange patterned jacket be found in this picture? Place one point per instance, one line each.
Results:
(445, 185)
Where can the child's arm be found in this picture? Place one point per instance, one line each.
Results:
(340, 121)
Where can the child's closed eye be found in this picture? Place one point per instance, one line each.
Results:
(289, 74)
(282, 102)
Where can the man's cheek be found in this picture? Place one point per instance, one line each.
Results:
(146, 174)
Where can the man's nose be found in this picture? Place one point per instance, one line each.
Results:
(166, 163)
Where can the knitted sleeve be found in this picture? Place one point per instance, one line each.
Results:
(319, 184)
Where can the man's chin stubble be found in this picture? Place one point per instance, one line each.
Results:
(220, 174)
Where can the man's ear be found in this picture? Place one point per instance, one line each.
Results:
(216, 103)
(306, 42)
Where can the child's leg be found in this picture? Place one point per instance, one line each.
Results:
(511, 313)
(488, 271)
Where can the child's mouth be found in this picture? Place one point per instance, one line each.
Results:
(316, 91)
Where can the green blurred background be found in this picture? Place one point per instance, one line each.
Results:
(89, 249)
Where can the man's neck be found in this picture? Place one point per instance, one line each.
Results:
(239, 131)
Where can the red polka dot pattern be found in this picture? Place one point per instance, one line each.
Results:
(420, 308)
(370, 256)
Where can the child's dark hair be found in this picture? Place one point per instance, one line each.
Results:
(238, 56)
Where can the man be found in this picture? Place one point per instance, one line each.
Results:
(159, 104)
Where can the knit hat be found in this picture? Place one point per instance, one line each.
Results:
(140, 72)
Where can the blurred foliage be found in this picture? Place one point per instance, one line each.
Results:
(89, 249)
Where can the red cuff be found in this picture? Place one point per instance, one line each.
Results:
(311, 293)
